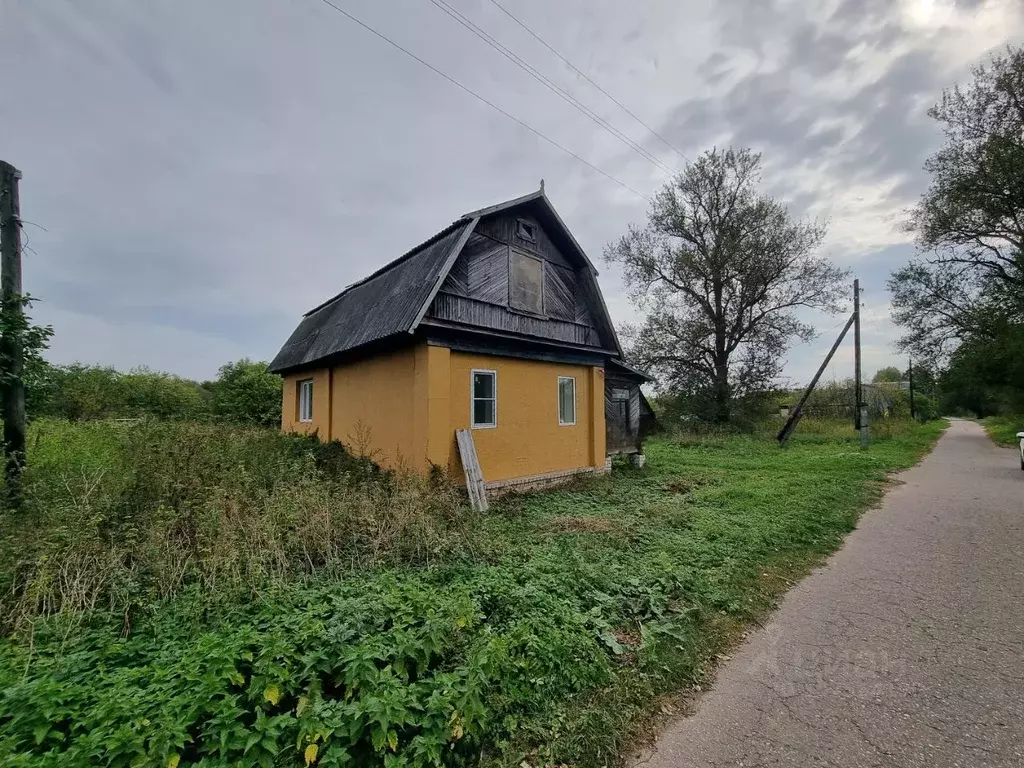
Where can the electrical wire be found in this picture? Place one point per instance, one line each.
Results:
(586, 77)
(551, 85)
(477, 96)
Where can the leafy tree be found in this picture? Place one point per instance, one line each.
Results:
(889, 374)
(721, 267)
(970, 222)
(246, 392)
(985, 376)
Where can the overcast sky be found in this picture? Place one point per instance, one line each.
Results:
(207, 171)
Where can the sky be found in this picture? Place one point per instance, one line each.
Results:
(197, 174)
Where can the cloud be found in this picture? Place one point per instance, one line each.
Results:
(207, 172)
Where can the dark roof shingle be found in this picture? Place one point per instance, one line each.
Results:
(385, 303)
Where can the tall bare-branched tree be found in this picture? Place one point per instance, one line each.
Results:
(720, 269)
(969, 280)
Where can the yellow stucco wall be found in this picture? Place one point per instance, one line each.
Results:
(403, 408)
(369, 405)
(528, 440)
(321, 403)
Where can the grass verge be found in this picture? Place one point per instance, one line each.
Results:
(549, 634)
(1003, 429)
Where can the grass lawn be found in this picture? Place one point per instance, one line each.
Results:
(551, 630)
(1004, 429)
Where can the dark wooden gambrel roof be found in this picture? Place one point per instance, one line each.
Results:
(394, 299)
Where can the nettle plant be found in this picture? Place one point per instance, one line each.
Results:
(409, 675)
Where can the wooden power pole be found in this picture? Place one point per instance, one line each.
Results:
(861, 416)
(12, 387)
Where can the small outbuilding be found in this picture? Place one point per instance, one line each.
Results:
(495, 324)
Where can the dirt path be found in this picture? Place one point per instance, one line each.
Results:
(907, 649)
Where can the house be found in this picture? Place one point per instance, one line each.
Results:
(495, 324)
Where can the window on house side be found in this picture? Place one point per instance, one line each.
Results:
(484, 405)
(566, 400)
(526, 283)
(306, 400)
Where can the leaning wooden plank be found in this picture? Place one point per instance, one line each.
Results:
(471, 469)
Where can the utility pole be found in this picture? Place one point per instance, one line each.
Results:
(12, 387)
(910, 375)
(861, 417)
(797, 413)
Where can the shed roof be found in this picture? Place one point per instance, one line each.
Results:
(394, 298)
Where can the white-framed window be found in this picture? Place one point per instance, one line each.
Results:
(305, 400)
(483, 405)
(566, 401)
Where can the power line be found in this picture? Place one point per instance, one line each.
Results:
(550, 84)
(586, 77)
(477, 96)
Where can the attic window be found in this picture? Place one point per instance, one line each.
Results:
(526, 283)
(526, 231)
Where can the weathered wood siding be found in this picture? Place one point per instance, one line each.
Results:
(503, 228)
(623, 429)
(476, 291)
(459, 309)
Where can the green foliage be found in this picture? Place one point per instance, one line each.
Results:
(546, 636)
(962, 302)
(247, 393)
(244, 393)
(15, 322)
(118, 516)
(84, 392)
(1004, 429)
(986, 375)
(890, 374)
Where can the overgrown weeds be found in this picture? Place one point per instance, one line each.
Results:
(121, 516)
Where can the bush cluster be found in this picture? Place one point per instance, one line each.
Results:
(244, 392)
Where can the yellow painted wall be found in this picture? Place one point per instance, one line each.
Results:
(321, 403)
(368, 405)
(528, 439)
(374, 410)
(403, 408)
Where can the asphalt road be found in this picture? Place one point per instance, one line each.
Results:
(906, 649)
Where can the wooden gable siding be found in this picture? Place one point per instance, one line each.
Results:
(461, 309)
(503, 229)
(476, 290)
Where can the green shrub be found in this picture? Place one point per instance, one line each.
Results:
(247, 393)
(86, 392)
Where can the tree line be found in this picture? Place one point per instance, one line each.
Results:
(244, 392)
(961, 301)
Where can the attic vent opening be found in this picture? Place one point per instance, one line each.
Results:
(526, 231)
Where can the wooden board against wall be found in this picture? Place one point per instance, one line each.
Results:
(471, 468)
